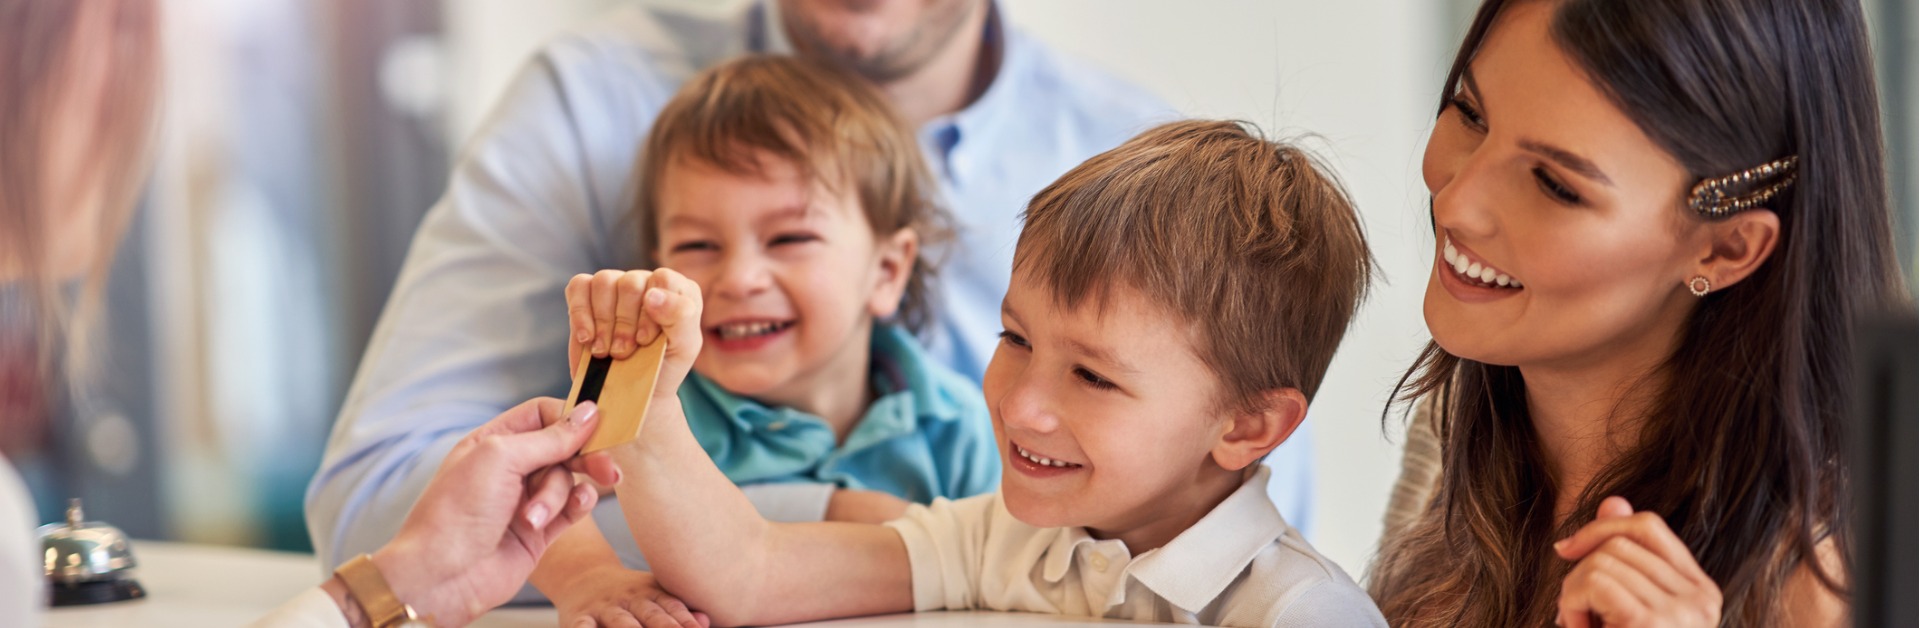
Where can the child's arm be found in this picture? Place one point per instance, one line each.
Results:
(583, 578)
(704, 540)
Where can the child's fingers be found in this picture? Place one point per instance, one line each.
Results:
(579, 316)
(602, 305)
(673, 301)
(626, 312)
(664, 612)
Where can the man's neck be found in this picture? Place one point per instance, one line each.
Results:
(949, 81)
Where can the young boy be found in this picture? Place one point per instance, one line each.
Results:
(798, 202)
(1174, 305)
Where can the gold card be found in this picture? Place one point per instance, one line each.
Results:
(622, 389)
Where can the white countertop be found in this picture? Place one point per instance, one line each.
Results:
(209, 585)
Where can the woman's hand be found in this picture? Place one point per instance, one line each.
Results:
(499, 499)
(1633, 571)
(617, 596)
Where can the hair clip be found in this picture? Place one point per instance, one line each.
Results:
(1723, 196)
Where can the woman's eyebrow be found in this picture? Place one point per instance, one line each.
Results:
(1567, 159)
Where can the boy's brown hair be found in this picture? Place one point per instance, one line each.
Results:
(829, 124)
(1252, 243)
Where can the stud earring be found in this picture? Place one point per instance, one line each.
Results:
(1700, 286)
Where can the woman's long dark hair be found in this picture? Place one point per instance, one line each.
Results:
(1741, 448)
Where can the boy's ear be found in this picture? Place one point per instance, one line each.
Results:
(894, 255)
(1256, 432)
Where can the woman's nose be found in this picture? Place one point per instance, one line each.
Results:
(1465, 201)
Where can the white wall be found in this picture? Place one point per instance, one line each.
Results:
(1362, 75)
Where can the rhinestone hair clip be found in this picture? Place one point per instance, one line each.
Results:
(1744, 190)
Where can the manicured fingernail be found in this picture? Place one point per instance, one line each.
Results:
(581, 494)
(583, 336)
(537, 515)
(584, 412)
(656, 296)
(622, 345)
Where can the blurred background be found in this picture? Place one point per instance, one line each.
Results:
(302, 140)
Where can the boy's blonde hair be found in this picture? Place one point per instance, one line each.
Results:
(1249, 242)
(829, 124)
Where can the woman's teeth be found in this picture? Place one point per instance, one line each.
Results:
(1041, 460)
(736, 331)
(1474, 271)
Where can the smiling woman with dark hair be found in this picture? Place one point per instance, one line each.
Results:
(1656, 220)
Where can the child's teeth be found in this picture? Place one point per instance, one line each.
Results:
(1487, 274)
(1502, 280)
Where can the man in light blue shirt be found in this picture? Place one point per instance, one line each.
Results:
(477, 320)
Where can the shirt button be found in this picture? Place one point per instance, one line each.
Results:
(777, 426)
(1099, 562)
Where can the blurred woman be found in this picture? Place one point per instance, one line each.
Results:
(78, 83)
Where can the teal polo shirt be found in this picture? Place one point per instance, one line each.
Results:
(926, 435)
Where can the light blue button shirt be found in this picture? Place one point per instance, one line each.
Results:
(926, 434)
(477, 319)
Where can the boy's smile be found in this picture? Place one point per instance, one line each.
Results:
(791, 275)
(1107, 416)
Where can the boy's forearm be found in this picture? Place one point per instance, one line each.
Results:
(703, 539)
(577, 549)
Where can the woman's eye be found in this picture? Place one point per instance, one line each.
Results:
(1553, 188)
(1013, 339)
(1468, 114)
(1093, 379)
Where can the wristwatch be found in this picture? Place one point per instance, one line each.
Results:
(370, 590)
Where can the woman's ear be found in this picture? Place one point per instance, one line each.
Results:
(894, 257)
(1740, 244)
(1256, 432)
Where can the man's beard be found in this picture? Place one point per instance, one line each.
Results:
(899, 58)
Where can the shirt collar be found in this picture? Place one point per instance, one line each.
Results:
(1191, 570)
(900, 369)
(765, 33)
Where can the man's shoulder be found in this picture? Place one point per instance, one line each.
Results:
(1085, 90)
(675, 41)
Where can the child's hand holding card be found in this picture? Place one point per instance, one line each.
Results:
(635, 334)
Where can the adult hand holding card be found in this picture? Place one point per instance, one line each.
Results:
(621, 388)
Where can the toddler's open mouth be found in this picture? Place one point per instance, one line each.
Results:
(742, 330)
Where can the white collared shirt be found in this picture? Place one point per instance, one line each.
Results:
(1241, 565)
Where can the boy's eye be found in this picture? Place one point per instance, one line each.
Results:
(1554, 189)
(693, 245)
(1093, 379)
(793, 238)
(1468, 113)
(1013, 339)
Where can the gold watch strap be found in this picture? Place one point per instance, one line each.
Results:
(370, 589)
